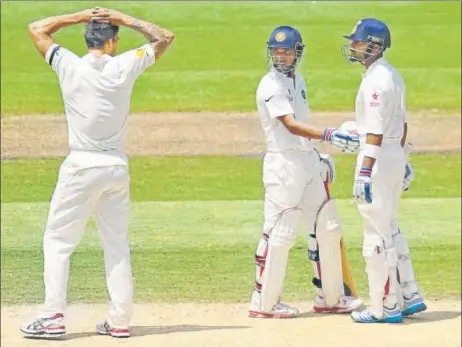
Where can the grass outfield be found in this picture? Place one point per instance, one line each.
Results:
(194, 231)
(203, 251)
(217, 178)
(219, 53)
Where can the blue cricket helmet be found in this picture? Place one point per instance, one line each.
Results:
(372, 31)
(289, 38)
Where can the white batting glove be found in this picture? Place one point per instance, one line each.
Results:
(408, 176)
(327, 168)
(362, 189)
(341, 139)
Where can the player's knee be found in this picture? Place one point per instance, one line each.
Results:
(401, 244)
(285, 230)
(373, 248)
(375, 251)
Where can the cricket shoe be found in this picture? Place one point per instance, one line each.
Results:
(105, 329)
(279, 310)
(51, 326)
(346, 304)
(392, 315)
(413, 305)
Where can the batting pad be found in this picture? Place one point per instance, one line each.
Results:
(281, 239)
(381, 265)
(328, 234)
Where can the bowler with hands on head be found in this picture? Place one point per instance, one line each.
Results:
(94, 177)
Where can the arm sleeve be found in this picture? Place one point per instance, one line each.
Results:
(138, 60)
(278, 104)
(60, 59)
(375, 100)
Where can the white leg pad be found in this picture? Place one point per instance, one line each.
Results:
(405, 269)
(271, 257)
(381, 266)
(328, 234)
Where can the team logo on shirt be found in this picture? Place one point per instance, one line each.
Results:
(140, 52)
(303, 94)
(280, 36)
(374, 102)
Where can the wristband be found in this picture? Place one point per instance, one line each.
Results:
(371, 151)
(365, 171)
(327, 134)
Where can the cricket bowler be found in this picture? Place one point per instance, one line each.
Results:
(294, 188)
(380, 111)
(94, 177)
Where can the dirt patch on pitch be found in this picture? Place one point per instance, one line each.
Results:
(209, 325)
(204, 133)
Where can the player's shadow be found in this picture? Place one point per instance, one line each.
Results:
(137, 331)
(431, 316)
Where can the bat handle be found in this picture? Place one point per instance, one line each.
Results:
(326, 186)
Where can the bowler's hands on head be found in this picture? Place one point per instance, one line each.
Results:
(89, 14)
(105, 15)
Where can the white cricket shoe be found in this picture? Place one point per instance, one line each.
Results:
(346, 304)
(390, 315)
(51, 326)
(414, 304)
(279, 310)
(105, 329)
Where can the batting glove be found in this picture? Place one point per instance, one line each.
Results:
(341, 139)
(362, 190)
(408, 176)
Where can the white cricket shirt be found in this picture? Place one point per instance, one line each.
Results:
(381, 103)
(96, 92)
(278, 95)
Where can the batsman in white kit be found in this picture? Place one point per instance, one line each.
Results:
(94, 177)
(294, 187)
(381, 123)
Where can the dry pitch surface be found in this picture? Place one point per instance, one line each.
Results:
(197, 325)
(204, 134)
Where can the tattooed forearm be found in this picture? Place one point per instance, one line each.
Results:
(151, 31)
(50, 25)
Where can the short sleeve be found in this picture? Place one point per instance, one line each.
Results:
(375, 100)
(138, 60)
(60, 59)
(278, 104)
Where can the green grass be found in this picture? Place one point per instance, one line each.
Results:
(195, 224)
(217, 178)
(219, 53)
(203, 251)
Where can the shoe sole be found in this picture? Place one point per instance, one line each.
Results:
(338, 310)
(420, 307)
(394, 319)
(48, 332)
(256, 314)
(117, 334)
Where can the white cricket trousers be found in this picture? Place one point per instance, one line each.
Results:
(293, 188)
(379, 250)
(80, 192)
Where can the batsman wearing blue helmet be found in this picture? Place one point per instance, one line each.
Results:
(294, 187)
(380, 111)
